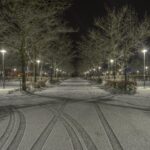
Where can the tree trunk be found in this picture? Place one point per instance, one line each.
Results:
(125, 71)
(125, 77)
(115, 69)
(35, 74)
(23, 75)
(52, 71)
(23, 65)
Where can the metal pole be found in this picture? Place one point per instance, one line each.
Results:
(38, 71)
(20, 84)
(3, 64)
(112, 70)
(41, 71)
(144, 70)
(109, 70)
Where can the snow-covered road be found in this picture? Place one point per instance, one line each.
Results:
(75, 115)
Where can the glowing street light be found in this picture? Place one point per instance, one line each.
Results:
(3, 64)
(38, 61)
(99, 68)
(111, 61)
(15, 69)
(144, 51)
(146, 67)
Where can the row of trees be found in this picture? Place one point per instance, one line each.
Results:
(118, 36)
(33, 29)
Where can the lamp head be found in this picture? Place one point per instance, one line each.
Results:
(111, 61)
(99, 68)
(144, 50)
(94, 69)
(38, 61)
(3, 51)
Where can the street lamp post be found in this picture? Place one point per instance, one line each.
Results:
(144, 53)
(3, 66)
(112, 61)
(38, 68)
(94, 73)
(146, 70)
(38, 62)
(99, 70)
(56, 73)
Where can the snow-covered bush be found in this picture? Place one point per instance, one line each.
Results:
(38, 84)
(120, 85)
(100, 80)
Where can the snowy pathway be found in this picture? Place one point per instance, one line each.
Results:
(73, 116)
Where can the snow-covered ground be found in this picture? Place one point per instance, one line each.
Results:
(9, 86)
(140, 99)
(75, 115)
(141, 83)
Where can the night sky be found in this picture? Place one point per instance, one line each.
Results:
(83, 12)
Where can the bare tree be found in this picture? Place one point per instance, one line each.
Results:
(21, 20)
(118, 35)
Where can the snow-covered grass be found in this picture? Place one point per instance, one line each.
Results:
(140, 99)
(10, 86)
(141, 83)
(7, 90)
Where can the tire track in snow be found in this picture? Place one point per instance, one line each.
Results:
(8, 130)
(110, 133)
(73, 136)
(85, 136)
(20, 131)
(39, 143)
